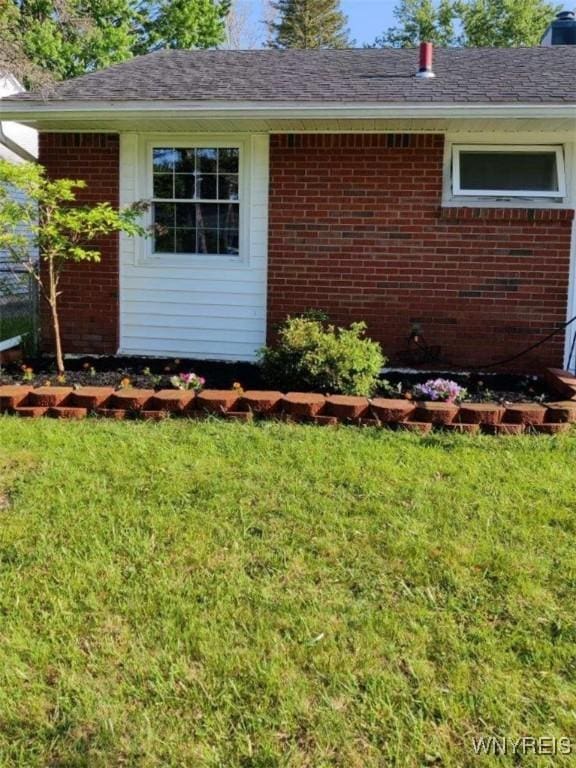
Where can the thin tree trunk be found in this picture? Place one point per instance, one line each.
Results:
(57, 340)
(53, 301)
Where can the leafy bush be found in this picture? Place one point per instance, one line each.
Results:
(311, 354)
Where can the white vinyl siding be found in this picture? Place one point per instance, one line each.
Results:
(205, 306)
(13, 279)
(27, 138)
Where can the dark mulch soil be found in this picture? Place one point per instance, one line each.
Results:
(142, 372)
(481, 388)
(156, 373)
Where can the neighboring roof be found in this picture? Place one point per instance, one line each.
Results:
(544, 75)
(9, 85)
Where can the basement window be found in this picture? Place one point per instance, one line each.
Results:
(195, 200)
(508, 171)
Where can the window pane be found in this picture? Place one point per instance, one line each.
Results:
(184, 186)
(163, 185)
(163, 159)
(184, 161)
(164, 214)
(195, 174)
(207, 215)
(206, 187)
(514, 171)
(228, 160)
(185, 214)
(228, 242)
(228, 218)
(185, 241)
(206, 160)
(228, 187)
(207, 241)
(164, 241)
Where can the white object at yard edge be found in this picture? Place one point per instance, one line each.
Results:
(9, 343)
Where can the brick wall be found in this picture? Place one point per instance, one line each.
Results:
(356, 228)
(89, 301)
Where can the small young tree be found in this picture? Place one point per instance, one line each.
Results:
(46, 218)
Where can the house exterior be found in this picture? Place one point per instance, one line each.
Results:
(286, 180)
(18, 144)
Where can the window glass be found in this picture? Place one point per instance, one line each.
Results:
(529, 172)
(196, 200)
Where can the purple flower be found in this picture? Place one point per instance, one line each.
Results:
(440, 389)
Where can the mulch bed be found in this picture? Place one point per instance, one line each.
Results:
(156, 373)
(142, 373)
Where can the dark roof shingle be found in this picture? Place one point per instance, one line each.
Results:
(463, 75)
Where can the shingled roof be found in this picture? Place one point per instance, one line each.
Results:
(463, 75)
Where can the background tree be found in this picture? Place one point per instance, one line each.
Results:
(13, 58)
(69, 37)
(241, 31)
(181, 24)
(420, 20)
(60, 39)
(308, 24)
(488, 23)
(505, 23)
(61, 234)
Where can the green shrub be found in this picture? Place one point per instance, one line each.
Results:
(310, 354)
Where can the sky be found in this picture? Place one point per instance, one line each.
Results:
(367, 19)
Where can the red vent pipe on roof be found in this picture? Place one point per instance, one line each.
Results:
(426, 57)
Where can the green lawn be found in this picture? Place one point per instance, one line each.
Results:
(256, 596)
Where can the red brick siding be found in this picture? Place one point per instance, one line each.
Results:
(89, 301)
(356, 228)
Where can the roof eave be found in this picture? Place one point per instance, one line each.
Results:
(90, 110)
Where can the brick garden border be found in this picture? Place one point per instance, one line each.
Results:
(493, 418)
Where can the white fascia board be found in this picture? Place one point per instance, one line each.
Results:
(89, 110)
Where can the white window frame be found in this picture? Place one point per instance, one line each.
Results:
(457, 190)
(192, 142)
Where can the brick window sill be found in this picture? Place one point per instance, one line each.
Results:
(459, 213)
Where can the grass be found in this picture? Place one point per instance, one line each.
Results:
(17, 325)
(265, 596)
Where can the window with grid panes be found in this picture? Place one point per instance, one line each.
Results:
(196, 200)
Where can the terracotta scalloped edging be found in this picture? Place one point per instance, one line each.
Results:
(562, 383)
(469, 418)
(528, 414)
(261, 402)
(12, 396)
(481, 413)
(303, 404)
(436, 413)
(390, 411)
(561, 412)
